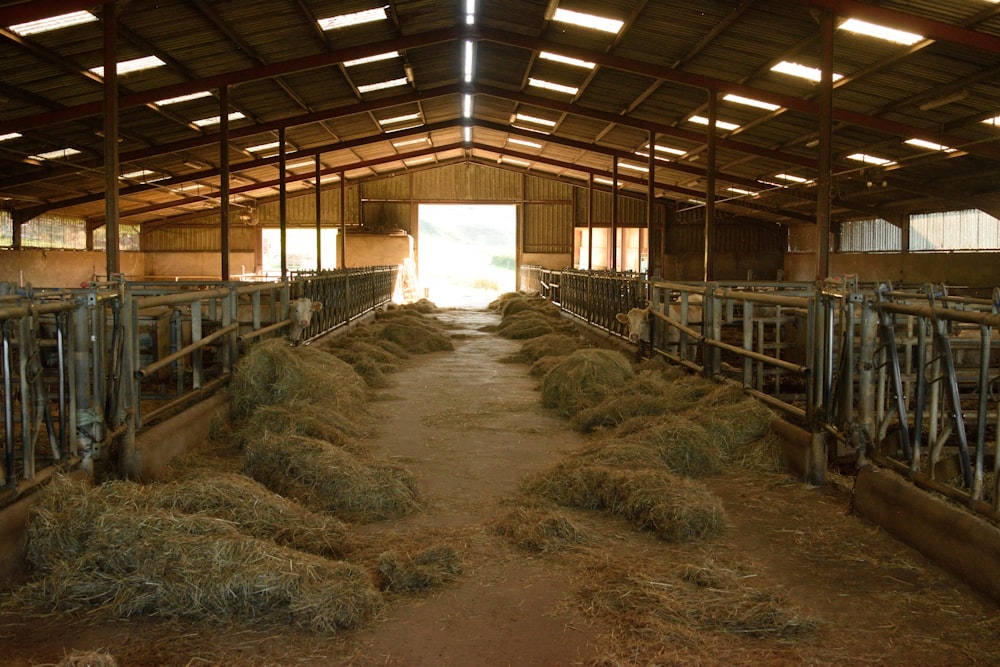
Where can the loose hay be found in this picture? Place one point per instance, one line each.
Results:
(537, 530)
(327, 478)
(306, 418)
(428, 569)
(88, 659)
(674, 508)
(584, 379)
(255, 511)
(526, 324)
(415, 337)
(273, 372)
(736, 424)
(681, 444)
(96, 552)
(368, 368)
(548, 345)
(542, 367)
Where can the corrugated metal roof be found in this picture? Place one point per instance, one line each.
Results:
(284, 71)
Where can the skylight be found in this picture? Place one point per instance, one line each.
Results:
(215, 120)
(525, 118)
(880, 32)
(183, 98)
(52, 23)
(403, 143)
(469, 58)
(270, 146)
(995, 121)
(424, 159)
(869, 159)
(549, 85)
(566, 60)
(791, 178)
(633, 167)
(603, 181)
(668, 149)
(129, 66)
(470, 12)
(382, 85)
(354, 18)
(929, 145)
(9, 136)
(467, 106)
(138, 174)
(388, 55)
(750, 102)
(523, 142)
(467, 134)
(301, 164)
(514, 161)
(802, 71)
(399, 119)
(55, 155)
(591, 21)
(327, 179)
(741, 191)
(719, 124)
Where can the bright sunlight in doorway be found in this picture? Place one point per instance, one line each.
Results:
(466, 252)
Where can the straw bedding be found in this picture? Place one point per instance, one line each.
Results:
(537, 530)
(179, 565)
(430, 568)
(584, 379)
(330, 479)
(88, 659)
(545, 346)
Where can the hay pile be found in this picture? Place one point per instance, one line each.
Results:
(537, 530)
(305, 418)
(525, 316)
(584, 379)
(88, 659)
(684, 609)
(676, 509)
(428, 569)
(331, 479)
(253, 510)
(273, 373)
(549, 345)
(105, 548)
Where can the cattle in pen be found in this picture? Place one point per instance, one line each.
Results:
(300, 312)
(639, 321)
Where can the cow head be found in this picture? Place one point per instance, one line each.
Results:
(637, 320)
(301, 315)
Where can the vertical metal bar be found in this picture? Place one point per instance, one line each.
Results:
(71, 387)
(984, 380)
(27, 423)
(283, 201)
(944, 343)
(197, 365)
(613, 241)
(920, 398)
(747, 342)
(319, 216)
(824, 181)
(224, 179)
(709, 255)
(109, 23)
(590, 225)
(866, 375)
(652, 256)
(61, 356)
(343, 222)
(8, 409)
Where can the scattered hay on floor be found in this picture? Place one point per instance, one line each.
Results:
(422, 306)
(95, 553)
(327, 478)
(428, 569)
(369, 369)
(415, 336)
(676, 509)
(537, 530)
(584, 379)
(273, 372)
(735, 424)
(88, 659)
(542, 367)
(526, 324)
(255, 511)
(700, 610)
(549, 345)
(683, 445)
(613, 410)
(305, 418)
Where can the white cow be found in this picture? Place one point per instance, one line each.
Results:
(301, 312)
(638, 320)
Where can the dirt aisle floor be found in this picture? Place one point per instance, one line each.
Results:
(795, 580)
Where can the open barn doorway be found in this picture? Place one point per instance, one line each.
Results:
(467, 252)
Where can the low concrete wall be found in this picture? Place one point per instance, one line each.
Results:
(957, 541)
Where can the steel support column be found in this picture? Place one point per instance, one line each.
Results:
(319, 217)
(283, 203)
(109, 19)
(224, 179)
(825, 180)
(709, 264)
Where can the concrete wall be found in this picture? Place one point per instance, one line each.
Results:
(958, 269)
(378, 250)
(63, 268)
(195, 265)
(728, 266)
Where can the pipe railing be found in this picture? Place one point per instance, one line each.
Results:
(910, 377)
(85, 368)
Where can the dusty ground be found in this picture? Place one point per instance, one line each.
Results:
(470, 428)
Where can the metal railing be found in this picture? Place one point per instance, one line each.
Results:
(909, 377)
(84, 369)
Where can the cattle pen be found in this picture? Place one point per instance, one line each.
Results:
(781, 345)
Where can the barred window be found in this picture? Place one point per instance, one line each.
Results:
(54, 231)
(6, 229)
(128, 238)
(954, 230)
(876, 235)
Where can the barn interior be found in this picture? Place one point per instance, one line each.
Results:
(803, 194)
